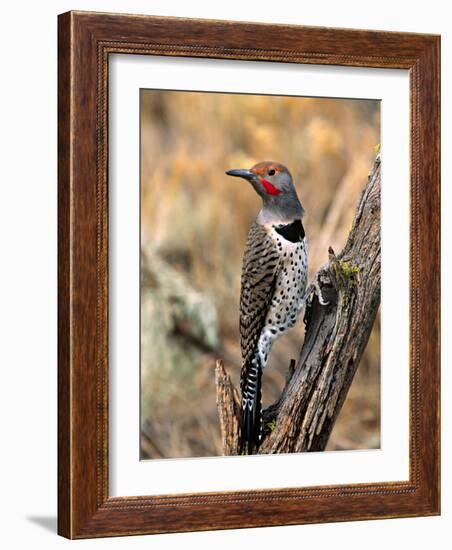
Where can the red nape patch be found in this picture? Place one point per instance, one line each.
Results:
(270, 188)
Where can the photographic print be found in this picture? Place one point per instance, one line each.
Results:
(163, 365)
(220, 281)
(244, 198)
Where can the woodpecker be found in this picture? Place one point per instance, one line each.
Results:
(273, 285)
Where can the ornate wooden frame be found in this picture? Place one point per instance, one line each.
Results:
(85, 41)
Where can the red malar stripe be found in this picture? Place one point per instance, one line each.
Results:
(270, 188)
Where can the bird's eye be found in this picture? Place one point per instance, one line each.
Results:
(271, 172)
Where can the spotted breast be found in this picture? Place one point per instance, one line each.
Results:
(272, 295)
(289, 292)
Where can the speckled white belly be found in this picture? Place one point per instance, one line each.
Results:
(289, 296)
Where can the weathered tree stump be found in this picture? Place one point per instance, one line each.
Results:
(336, 335)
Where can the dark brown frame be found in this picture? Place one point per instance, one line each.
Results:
(85, 41)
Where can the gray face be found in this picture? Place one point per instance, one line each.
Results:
(273, 183)
(281, 180)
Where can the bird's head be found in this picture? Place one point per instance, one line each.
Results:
(273, 182)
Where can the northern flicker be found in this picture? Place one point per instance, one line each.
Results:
(273, 285)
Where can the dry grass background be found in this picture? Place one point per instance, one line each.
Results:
(194, 221)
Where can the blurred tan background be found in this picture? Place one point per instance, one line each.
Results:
(194, 222)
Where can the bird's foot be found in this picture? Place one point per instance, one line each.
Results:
(318, 290)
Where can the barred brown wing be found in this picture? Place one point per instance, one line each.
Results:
(261, 263)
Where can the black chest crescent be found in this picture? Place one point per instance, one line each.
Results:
(293, 232)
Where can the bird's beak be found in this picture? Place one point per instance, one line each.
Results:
(246, 174)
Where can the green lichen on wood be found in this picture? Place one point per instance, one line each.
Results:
(271, 425)
(350, 272)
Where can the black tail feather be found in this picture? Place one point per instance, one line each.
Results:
(251, 411)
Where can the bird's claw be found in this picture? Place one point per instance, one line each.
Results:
(318, 291)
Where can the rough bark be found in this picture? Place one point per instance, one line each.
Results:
(336, 335)
(228, 404)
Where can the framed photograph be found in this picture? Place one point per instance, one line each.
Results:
(248, 275)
